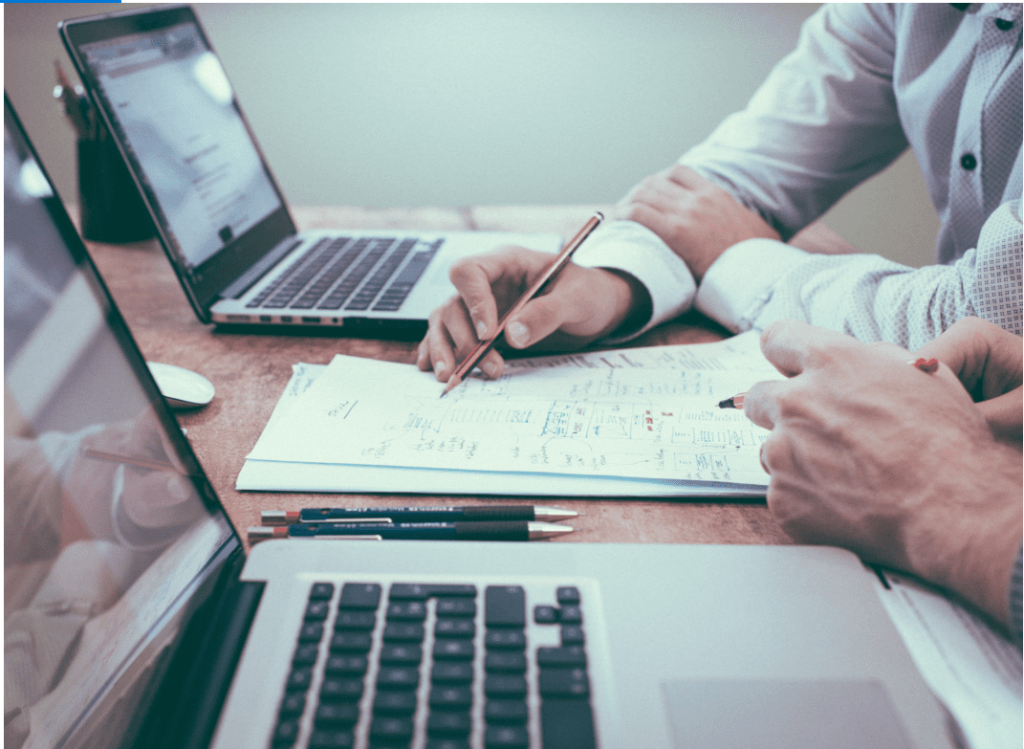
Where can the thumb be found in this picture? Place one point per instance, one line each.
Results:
(1004, 415)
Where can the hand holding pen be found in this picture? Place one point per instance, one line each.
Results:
(579, 305)
(553, 269)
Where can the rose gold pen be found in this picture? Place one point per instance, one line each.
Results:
(735, 402)
(467, 364)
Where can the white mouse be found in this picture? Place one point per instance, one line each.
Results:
(181, 387)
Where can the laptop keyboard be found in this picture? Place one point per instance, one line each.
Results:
(357, 274)
(438, 666)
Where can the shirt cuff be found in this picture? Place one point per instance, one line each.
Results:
(740, 282)
(631, 248)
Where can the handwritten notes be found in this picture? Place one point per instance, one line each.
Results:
(640, 414)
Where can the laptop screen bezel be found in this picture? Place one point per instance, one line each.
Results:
(219, 566)
(204, 284)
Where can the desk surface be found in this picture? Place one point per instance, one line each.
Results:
(250, 373)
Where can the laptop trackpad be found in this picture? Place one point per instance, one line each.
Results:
(784, 714)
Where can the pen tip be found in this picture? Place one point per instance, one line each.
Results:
(453, 382)
(547, 530)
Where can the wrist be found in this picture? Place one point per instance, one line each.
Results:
(972, 546)
(631, 304)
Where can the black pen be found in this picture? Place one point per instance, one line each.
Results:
(415, 514)
(506, 530)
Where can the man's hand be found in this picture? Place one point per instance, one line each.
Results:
(692, 215)
(989, 362)
(580, 305)
(900, 466)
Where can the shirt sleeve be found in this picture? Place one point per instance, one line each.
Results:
(824, 120)
(759, 281)
(631, 248)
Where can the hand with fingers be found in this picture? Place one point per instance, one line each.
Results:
(896, 464)
(578, 306)
(697, 219)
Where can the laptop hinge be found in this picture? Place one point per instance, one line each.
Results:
(244, 282)
(185, 711)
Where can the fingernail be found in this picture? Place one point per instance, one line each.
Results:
(481, 329)
(517, 334)
(490, 369)
(441, 368)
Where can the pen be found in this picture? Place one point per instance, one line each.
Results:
(414, 514)
(508, 530)
(560, 261)
(735, 402)
(138, 461)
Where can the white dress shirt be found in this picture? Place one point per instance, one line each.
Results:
(864, 82)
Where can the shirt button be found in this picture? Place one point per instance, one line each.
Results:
(1004, 24)
(968, 162)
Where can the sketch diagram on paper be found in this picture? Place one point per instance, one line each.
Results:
(638, 413)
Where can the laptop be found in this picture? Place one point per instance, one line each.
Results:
(134, 617)
(221, 218)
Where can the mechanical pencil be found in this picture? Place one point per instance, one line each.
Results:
(415, 514)
(508, 530)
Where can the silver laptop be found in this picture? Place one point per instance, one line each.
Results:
(167, 101)
(133, 618)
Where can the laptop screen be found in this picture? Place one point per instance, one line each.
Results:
(109, 524)
(176, 113)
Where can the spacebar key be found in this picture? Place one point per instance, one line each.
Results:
(567, 724)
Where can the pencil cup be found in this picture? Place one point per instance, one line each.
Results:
(111, 207)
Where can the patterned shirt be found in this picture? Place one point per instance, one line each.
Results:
(864, 82)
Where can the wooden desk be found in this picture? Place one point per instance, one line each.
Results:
(251, 371)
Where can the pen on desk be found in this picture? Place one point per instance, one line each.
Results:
(415, 514)
(138, 461)
(508, 530)
(735, 402)
(560, 261)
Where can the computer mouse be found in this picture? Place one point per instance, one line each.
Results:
(182, 388)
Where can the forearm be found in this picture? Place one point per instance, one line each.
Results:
(823, 121)
(662, 286)
(972, 552)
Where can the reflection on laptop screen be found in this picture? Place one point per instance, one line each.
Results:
(176, 110)
(105, 532)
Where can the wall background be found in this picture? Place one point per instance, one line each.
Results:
(452, 104)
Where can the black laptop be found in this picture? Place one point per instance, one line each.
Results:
(221, 218)
(132, 617)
